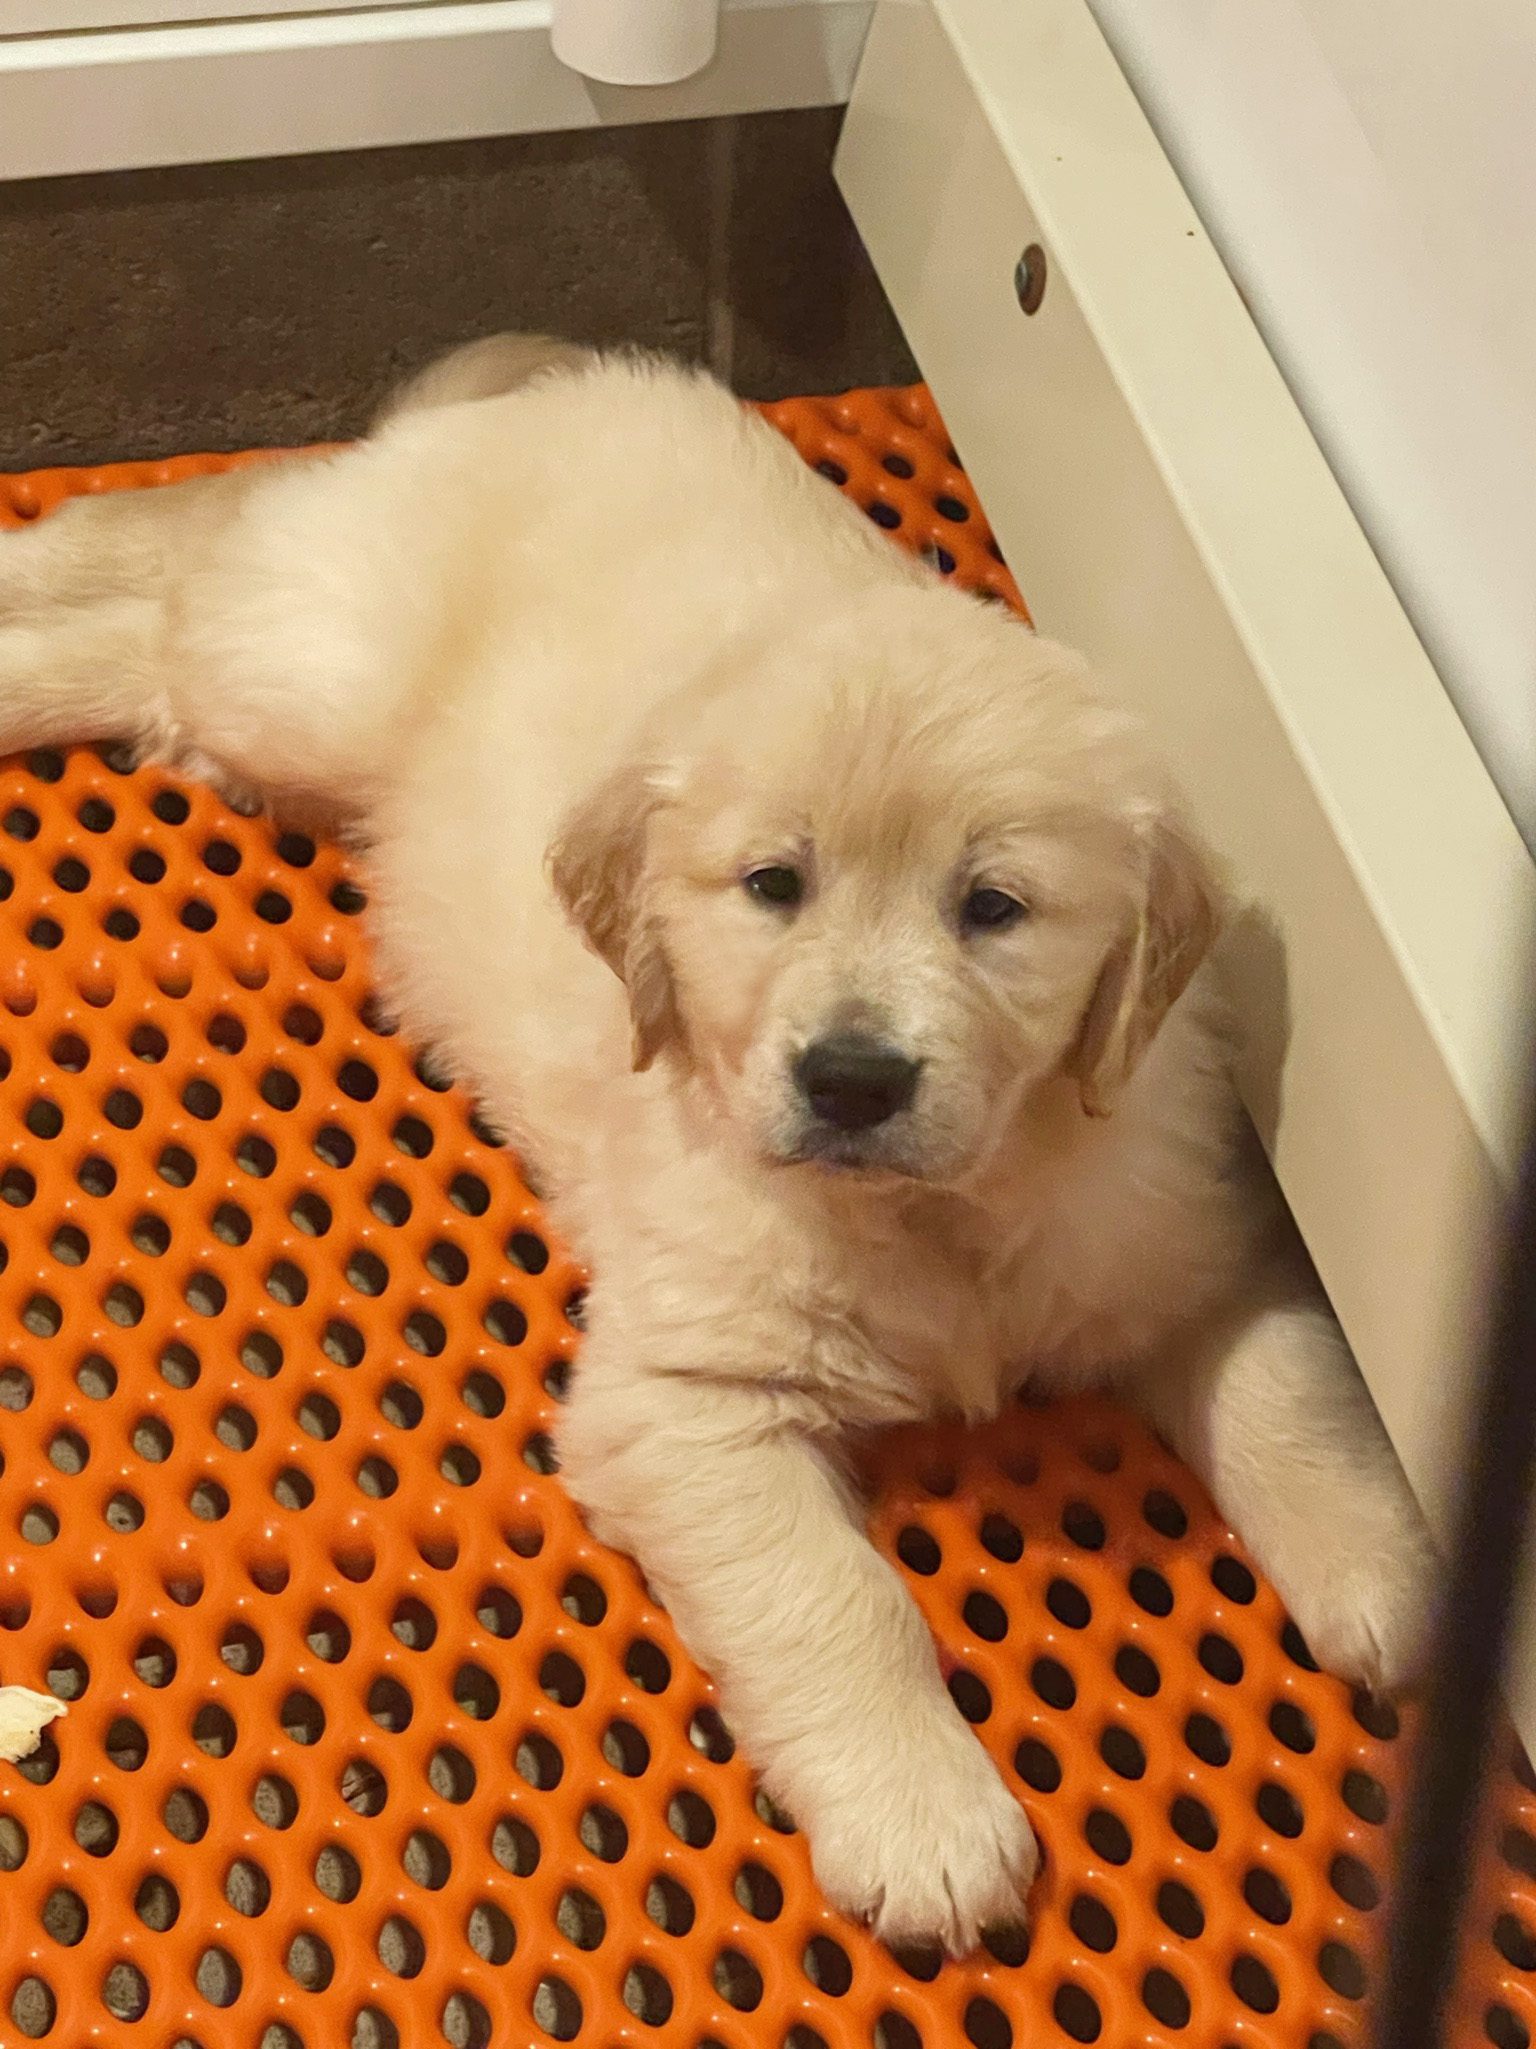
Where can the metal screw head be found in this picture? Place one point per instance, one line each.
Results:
(1029, 278)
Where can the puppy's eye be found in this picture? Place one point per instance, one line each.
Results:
(991, 910)
(781, 887)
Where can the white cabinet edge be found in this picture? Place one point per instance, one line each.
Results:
(1344, 670)
(289, 84)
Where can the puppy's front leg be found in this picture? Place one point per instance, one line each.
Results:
(826, 1671)
(1269, 1408)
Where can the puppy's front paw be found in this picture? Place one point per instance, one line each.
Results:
(1368, 1620)
(1361, 1591)
(925, 1843)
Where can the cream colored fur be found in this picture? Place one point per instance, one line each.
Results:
(583, 654)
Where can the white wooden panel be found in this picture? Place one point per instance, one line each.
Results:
(217, 90)
(1168, 511)
(40, 17)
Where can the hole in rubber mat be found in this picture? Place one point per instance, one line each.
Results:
(584, 1925)
(34, 2008)
(466, 2022)
(971, 1695)
(1003, 1538)
(223, 1155)
(1165, 1998)
(826, 1964)
(759, 1892)
(515, 1847)
(1268, 1896)
(556, 2009)
(1179, 1909)
(918, 1551)
(248, 1888)
(648, 1995)
(1123, 1753)
(1354, 1883)
(1279, 1809)
(1194, 1823)
(1149, 1590)
(65, 1916)
(892, 2031)
(1514, 1941)
(1107, 1836)
(452, 1776)
(1254, 1984)
(125, 1992)
(1093, 1924)
(648, 1665)
(691, 1819)
(401, 1947)
(1342, 1970)
(483, 1394)
(1137, 1671)
(1077, 2013)
(708, 1733)
(738, 1980)
(1037, 1765)
(1068, 1603)
(1504, 2029)
(920, 1960)
(1053, 1682)
(338, 1875)
(1209, 1741)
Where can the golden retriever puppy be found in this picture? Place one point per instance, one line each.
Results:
(831, 952)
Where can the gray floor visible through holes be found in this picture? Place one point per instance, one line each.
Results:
(374, 2030)
(338, 1874)
(156, 1903)
(580, 1919)
(466, 2024)
(95, 1829)
(64, 1917)
(33, 2007)
(556, 2009)
(401, 1948)
(310, 1962)
(273, 1803)
(125, 1993)
(426, 1860)
(248, 1889)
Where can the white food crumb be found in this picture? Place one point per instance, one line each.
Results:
(23, 1717)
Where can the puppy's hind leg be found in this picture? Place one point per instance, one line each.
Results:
(242, 626)
(83, 616)
(488, 368)
(91, 676)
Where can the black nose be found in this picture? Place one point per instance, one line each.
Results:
(854, 1082)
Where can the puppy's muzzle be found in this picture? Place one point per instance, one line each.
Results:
(853, 1082)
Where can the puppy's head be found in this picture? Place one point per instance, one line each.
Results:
(880, 881)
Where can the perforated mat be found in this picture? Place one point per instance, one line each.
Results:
(368, 1742)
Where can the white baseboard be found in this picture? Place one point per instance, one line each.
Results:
(212, 91)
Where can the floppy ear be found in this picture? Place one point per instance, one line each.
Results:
(1146, 973)
(598, 867)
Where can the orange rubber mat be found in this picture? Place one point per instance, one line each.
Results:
(369, 1743)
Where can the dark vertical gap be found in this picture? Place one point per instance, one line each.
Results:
(1434, 1872)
